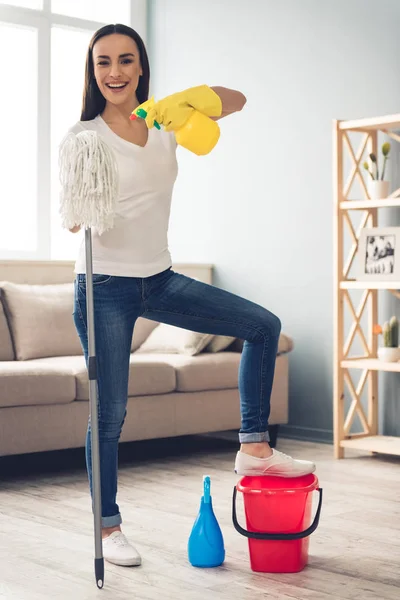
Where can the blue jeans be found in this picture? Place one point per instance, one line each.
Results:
(175, 299)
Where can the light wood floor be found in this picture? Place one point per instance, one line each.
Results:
(46, 528)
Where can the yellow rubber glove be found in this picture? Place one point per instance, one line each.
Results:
(174, 110)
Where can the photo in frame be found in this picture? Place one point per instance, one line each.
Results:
(379, 254)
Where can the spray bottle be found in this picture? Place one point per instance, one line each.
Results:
(199, 133)
(206, 544)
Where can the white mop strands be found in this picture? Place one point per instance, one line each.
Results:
(89, 182)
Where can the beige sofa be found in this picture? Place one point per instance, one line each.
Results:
(183, 386)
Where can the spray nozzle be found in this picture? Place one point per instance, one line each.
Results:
(142, 114)
(206, 489)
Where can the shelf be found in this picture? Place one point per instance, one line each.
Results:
(369, 285)
(374, 443)
(364, 396)
(367, 204)
(372, 364)
(374, 123)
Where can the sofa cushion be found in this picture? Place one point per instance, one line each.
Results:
(148, 375)
(143, 328)
(42, 381)
(41, 320)
(207, 371)
(6, 347)
(219, 343)
(167, 339)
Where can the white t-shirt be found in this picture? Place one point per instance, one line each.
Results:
(137, 246)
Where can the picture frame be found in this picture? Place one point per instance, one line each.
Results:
(379, 254)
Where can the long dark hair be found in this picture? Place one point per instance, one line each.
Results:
(93, 102)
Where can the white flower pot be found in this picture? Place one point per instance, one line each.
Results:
(389, 354)
(377, 189)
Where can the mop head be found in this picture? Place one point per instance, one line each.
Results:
(89, 182)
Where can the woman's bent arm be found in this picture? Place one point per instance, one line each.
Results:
(232, 101)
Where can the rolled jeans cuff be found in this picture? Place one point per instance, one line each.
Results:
(111, 521)
(250, 438)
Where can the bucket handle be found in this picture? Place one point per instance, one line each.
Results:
(258, 535)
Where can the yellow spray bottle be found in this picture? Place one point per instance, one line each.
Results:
(199, 134)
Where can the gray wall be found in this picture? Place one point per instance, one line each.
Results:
(259, 207)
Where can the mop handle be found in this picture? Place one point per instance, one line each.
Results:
(94, 423)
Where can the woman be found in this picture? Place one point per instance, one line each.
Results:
(132, 268)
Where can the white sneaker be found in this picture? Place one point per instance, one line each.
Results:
(117, 550)
(277, 465)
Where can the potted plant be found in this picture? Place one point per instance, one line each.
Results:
(390, 351)
(377, 187)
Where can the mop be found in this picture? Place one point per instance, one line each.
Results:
(89, 190)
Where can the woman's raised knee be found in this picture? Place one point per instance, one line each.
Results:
(270, 324)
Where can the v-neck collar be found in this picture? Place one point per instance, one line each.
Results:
(121, 139)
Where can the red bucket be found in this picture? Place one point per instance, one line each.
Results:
(278, 517)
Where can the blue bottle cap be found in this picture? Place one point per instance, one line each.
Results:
(206, 488)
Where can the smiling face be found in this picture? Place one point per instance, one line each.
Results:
(117, 68)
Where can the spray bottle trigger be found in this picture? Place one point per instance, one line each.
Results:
(143, 114)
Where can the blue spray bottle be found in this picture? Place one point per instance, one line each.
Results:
(206, 544)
